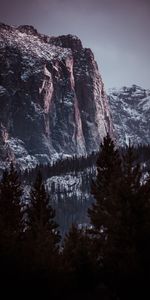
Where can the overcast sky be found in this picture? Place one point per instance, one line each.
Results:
(117, 31)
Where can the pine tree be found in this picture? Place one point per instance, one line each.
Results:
(42, 231)
(142, 228)
(134, 230)
(120, 214)
(11, 211)
(130, 211)
(104, 188)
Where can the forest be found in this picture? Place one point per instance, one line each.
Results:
(107, 258)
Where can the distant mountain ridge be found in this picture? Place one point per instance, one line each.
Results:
(52, 98)
(130, 108)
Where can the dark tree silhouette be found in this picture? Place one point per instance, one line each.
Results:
(104, 188)
(11, 211)
(119, 215)
(42, 231)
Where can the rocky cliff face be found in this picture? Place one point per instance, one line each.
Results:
(52, 98)
(130, 108)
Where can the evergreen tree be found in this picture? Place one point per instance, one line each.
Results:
(11, 211)
(105, 187)
(119, 214)
(142, 232)
(42, 231)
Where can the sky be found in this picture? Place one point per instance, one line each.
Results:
(117, 31)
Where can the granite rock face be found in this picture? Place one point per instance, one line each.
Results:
(52, 98)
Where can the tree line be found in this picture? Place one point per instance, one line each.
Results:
(107, 259)
(77, 164)
(60, 167)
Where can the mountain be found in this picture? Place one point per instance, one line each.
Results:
(130, 108)
(52, 98)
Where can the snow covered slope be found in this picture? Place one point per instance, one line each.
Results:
(130, 107)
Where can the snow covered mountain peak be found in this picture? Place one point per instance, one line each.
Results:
(130, 108)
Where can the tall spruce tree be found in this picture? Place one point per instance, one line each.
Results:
(105, 187)
(11, 211)
(120, 213)
(42, 231)
(130, 251)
